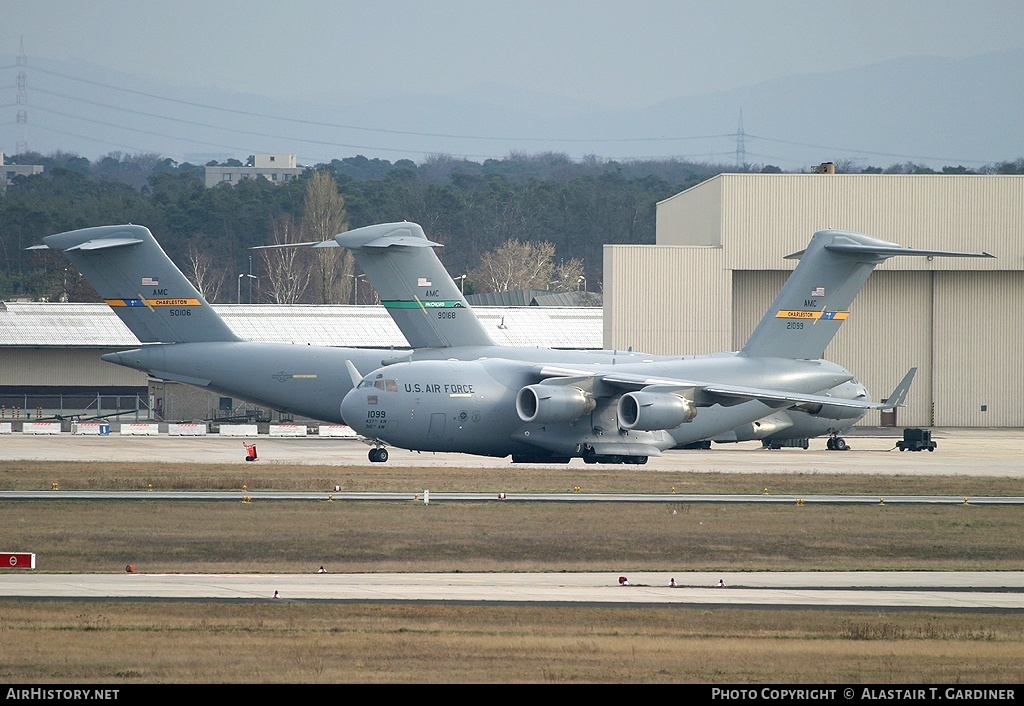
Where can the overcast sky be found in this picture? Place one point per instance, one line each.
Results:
(480, 57)
(611, 52)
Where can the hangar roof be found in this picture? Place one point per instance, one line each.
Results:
(95, 325)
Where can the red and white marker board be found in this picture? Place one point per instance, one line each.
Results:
(17, 560)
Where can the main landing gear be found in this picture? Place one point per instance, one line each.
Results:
(378, 455)
(836, 443)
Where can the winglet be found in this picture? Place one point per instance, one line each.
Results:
(899, 395)
(353, 373)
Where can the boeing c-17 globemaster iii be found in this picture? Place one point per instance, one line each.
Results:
(184, 339)
(424, 302)
(628, 409)
(190, 343)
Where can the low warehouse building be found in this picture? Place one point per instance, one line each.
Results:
(52, 368)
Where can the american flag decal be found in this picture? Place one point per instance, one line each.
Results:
(423, 282)
(150, 282)
(818, 292)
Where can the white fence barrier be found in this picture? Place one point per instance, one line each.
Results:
(41, 428)
(5, 427)
(140, 429)
(239, 430)
(186, 429)
(338, 430)
(91, 428)
(288, 430)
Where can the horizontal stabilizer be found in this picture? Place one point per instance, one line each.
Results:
(893, 251)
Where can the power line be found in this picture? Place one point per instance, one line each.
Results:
(316, 123)
(740, 136)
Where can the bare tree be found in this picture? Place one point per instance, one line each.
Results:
(515, 265)
(569, 276)
(203, 271)
(324, 217)
(287, 270)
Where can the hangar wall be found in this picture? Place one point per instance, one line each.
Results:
(65, 367)
(683, 301)
(956, 319)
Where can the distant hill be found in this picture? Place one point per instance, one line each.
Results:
(926, 110)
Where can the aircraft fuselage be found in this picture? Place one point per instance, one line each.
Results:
(470, 406)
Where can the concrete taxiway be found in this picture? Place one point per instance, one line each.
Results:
(975, 452)
(967, 452)
(961, 591)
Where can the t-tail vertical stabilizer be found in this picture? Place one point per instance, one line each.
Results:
(816, 298)
(413, 285)
(129, 269)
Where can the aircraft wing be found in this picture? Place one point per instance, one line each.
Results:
(784, 398)
(702, 393)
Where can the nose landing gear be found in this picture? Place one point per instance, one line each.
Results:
(378, 455)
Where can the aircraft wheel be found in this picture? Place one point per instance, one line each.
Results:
(382, 455)
(372, 455)
(830, 444)
(840, 444)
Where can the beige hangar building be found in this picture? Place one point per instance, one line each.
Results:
(718, 264)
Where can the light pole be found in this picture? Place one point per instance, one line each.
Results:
(462, 283)
(355, 284)
(581, 281)
(238, 294)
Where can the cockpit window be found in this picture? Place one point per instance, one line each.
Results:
(386, 385)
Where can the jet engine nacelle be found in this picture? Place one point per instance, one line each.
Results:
(553, 403)
(653, 411)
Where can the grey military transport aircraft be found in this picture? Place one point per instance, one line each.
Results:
(429, 310)
(193, 345)
(186, 341)
(628, 409)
